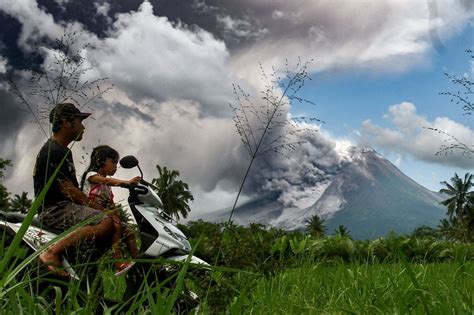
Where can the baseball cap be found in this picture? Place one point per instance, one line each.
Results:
(65, 111)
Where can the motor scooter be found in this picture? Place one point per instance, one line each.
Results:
(163, 246)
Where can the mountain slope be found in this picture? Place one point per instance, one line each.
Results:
(380, 198)
(369, 195)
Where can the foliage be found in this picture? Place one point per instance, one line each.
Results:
(4, 195)
(259, 255)
(426, 231)
(3, 165)
(459, 203)
(266, 252)
(21, 203)
(274, 249)
(342, 231)
(315, 226)
(174, 193)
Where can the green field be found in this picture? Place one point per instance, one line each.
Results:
(259, 271)
(442, 288)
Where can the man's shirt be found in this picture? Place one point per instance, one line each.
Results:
(47, 160)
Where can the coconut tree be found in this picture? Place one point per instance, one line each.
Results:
(342, 231)
(20, 203)
(469, 214)
(174, 193)
(459, 203)
(315, 226)
(445, 228)
(458, 192)
(4, 195)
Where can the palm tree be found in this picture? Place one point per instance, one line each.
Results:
(342, 231)
(20, 203)
(174, 193)
(315, 226)
(4, 194)
(445, 228)
(470, 215)
(458, 192)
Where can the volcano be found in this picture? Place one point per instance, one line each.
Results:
(368, 195)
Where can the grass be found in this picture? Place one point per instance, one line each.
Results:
(311, 288)
(398, 288)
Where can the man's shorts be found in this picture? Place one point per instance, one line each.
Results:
(66, 214)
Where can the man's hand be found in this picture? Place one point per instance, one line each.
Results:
(76, 195)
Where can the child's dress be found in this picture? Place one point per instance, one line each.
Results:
(100, 193)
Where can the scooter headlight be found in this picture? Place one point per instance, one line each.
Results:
(179, 238)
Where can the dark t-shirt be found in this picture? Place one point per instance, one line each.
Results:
(47, 160)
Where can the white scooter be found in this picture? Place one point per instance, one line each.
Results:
(159, 237)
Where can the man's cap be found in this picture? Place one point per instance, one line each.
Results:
(66, 111)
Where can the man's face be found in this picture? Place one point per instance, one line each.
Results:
(77, 129)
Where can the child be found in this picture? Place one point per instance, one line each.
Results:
(97, 186)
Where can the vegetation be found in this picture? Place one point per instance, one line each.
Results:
(342, 231)
(257, 267)
(4, 195)
(315, 226)
(363, 289)
(20, 203)
(174, 193)
(460, 207)
(265, 257)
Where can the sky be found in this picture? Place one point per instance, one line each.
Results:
(375, 77)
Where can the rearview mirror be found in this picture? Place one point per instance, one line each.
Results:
(128, 161)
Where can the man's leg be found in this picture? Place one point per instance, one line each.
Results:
(51, 257)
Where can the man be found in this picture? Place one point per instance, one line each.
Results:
(64, 204)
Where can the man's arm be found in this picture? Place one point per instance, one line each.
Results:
(76, 195)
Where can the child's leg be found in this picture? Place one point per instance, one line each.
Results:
(131, 240)
(116, 240)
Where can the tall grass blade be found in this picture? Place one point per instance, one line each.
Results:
(27, 222)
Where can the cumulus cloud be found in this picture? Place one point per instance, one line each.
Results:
(149, 57)
(38, 25)
(3, 65)
(35, 22)
(103, 9)
(237, 29)
(410, 135)
(357, 35)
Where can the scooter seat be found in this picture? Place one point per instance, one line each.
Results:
(18, 217)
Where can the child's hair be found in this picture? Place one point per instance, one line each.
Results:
(99, 156)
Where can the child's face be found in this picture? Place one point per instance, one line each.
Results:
(110, 167)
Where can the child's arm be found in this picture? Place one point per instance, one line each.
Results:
(110, 181)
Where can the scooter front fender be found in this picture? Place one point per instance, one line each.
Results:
(193, 260)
